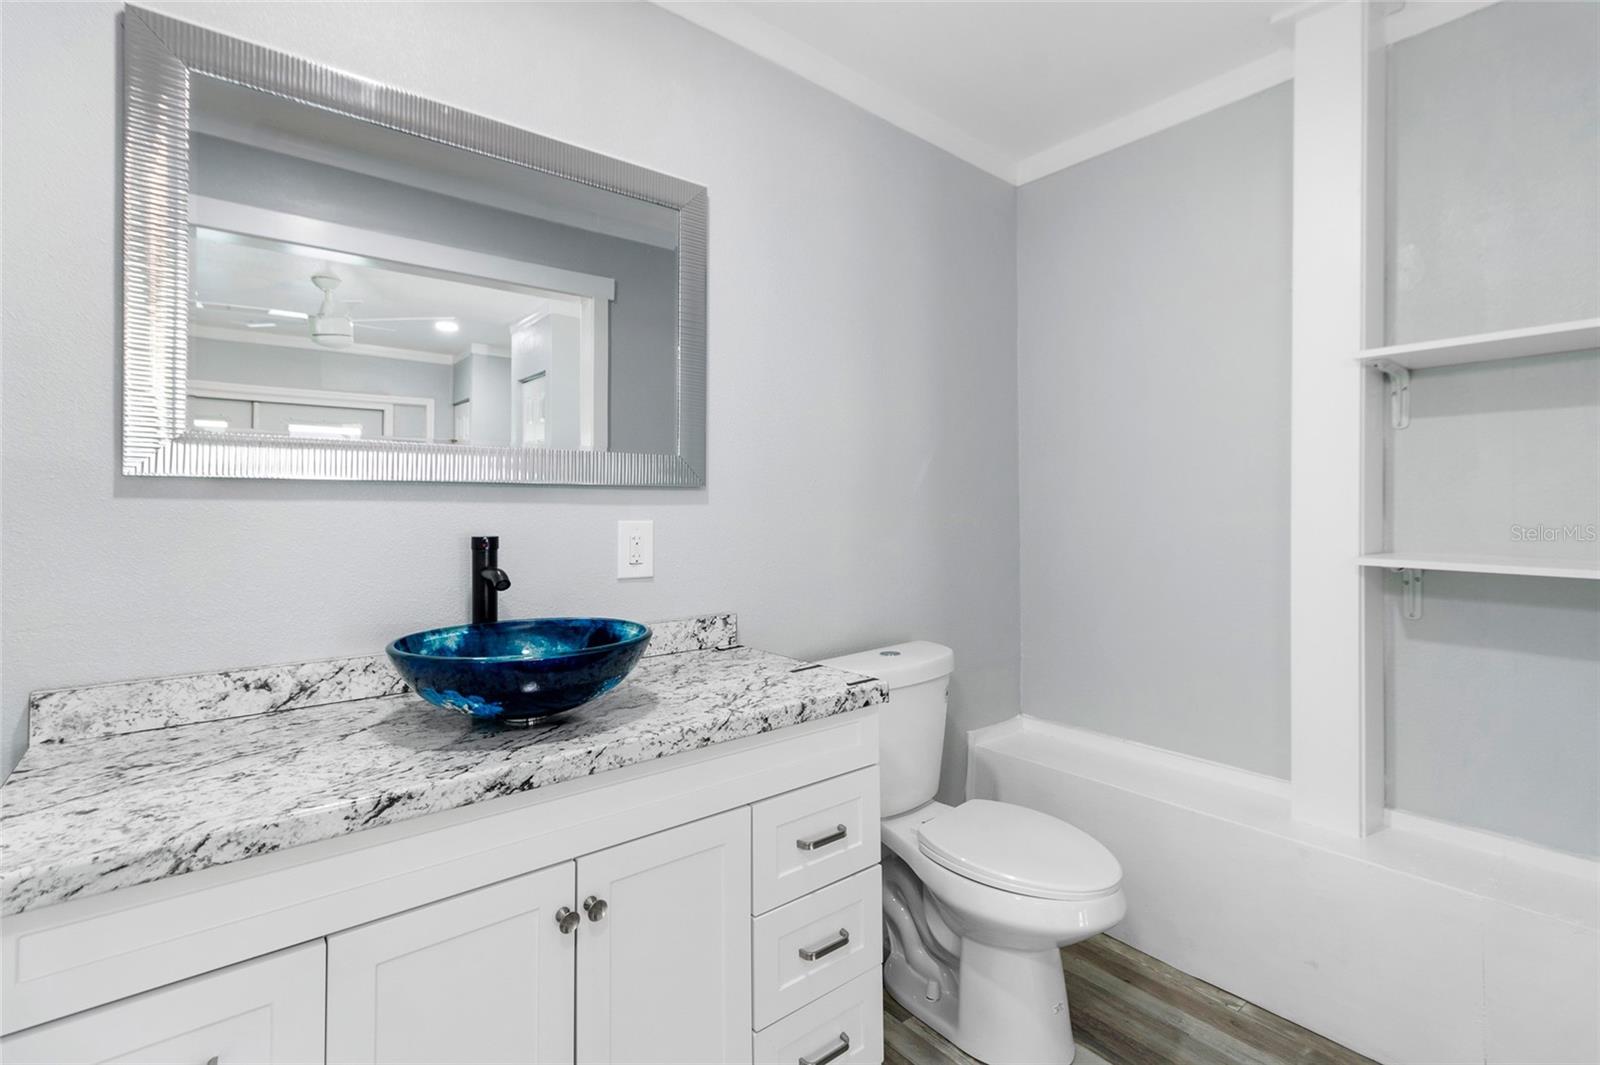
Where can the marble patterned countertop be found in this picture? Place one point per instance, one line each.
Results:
(187, 773)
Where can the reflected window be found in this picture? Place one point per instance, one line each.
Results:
(325, 432)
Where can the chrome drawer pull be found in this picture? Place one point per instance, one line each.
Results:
(821, 841)
(813, 953)
(843, 1046)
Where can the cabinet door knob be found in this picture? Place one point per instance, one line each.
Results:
(595, 908)
(567, 920)
(840, 1046)
(822, 950)
(811, 843)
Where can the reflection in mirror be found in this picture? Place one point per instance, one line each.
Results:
(351, 281)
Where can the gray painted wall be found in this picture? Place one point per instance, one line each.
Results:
(1494, 694)
(879, 505)
(336, 371)
(1494, 707)
(644, 314)
(1494, 172)
(1153, 338)
(1497, 451)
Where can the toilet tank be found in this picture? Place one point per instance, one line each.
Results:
(911, 724)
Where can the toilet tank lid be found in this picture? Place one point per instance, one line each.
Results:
(899, 665)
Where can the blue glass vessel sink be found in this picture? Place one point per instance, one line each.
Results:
(517, 670)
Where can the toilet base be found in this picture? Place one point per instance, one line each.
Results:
(1009, 1007)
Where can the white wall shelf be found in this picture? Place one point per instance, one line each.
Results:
(1572, 569)
(1484, 347)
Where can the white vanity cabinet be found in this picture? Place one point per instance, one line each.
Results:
(485, 977)
(637, 953)
(268, 1010)
(702, 909)
(817, 923)
(664, 948)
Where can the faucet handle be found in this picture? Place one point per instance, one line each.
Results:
(488, 579)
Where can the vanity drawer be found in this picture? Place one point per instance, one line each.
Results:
(268, 1010)
(812, 836)
(816, 944)
(846, 1023)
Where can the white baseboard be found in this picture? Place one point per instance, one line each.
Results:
(1421, 943)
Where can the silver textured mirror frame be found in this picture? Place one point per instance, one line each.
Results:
(159, 56)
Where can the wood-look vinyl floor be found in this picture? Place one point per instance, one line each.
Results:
(1130, 1009)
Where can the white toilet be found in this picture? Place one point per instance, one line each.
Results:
(977, 898)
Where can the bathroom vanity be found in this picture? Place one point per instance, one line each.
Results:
(310, 864)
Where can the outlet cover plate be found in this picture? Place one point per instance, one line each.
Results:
(636, 550)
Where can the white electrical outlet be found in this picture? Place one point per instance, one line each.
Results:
(636, 549)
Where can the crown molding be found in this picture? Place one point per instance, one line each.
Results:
(772, 44)
(1401, 20)
(1420, 16)
(1220, 91)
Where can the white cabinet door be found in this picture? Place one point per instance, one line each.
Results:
(265, 1010)
(664, 973)
(480, 978)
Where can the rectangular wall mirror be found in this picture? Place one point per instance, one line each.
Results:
(328, 278)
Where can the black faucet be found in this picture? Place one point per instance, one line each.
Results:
(488, 579)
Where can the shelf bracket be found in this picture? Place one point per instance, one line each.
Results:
(1399, 391)
(1411, 593)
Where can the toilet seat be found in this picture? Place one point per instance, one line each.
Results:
(1020, 850)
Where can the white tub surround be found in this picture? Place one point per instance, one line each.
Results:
(1419, 943)
(132, 864)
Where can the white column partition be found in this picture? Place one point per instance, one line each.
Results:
(1336, 704)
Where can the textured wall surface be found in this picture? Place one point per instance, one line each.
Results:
(862, 470)
(1153, 340)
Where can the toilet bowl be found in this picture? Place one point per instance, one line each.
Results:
(1003, 997)
(978, 898)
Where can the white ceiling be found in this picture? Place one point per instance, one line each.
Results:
(1025, 89)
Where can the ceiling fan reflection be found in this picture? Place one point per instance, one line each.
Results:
(330, 326)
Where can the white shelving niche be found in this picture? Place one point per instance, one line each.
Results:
(1397, 360)
(1408, 373)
